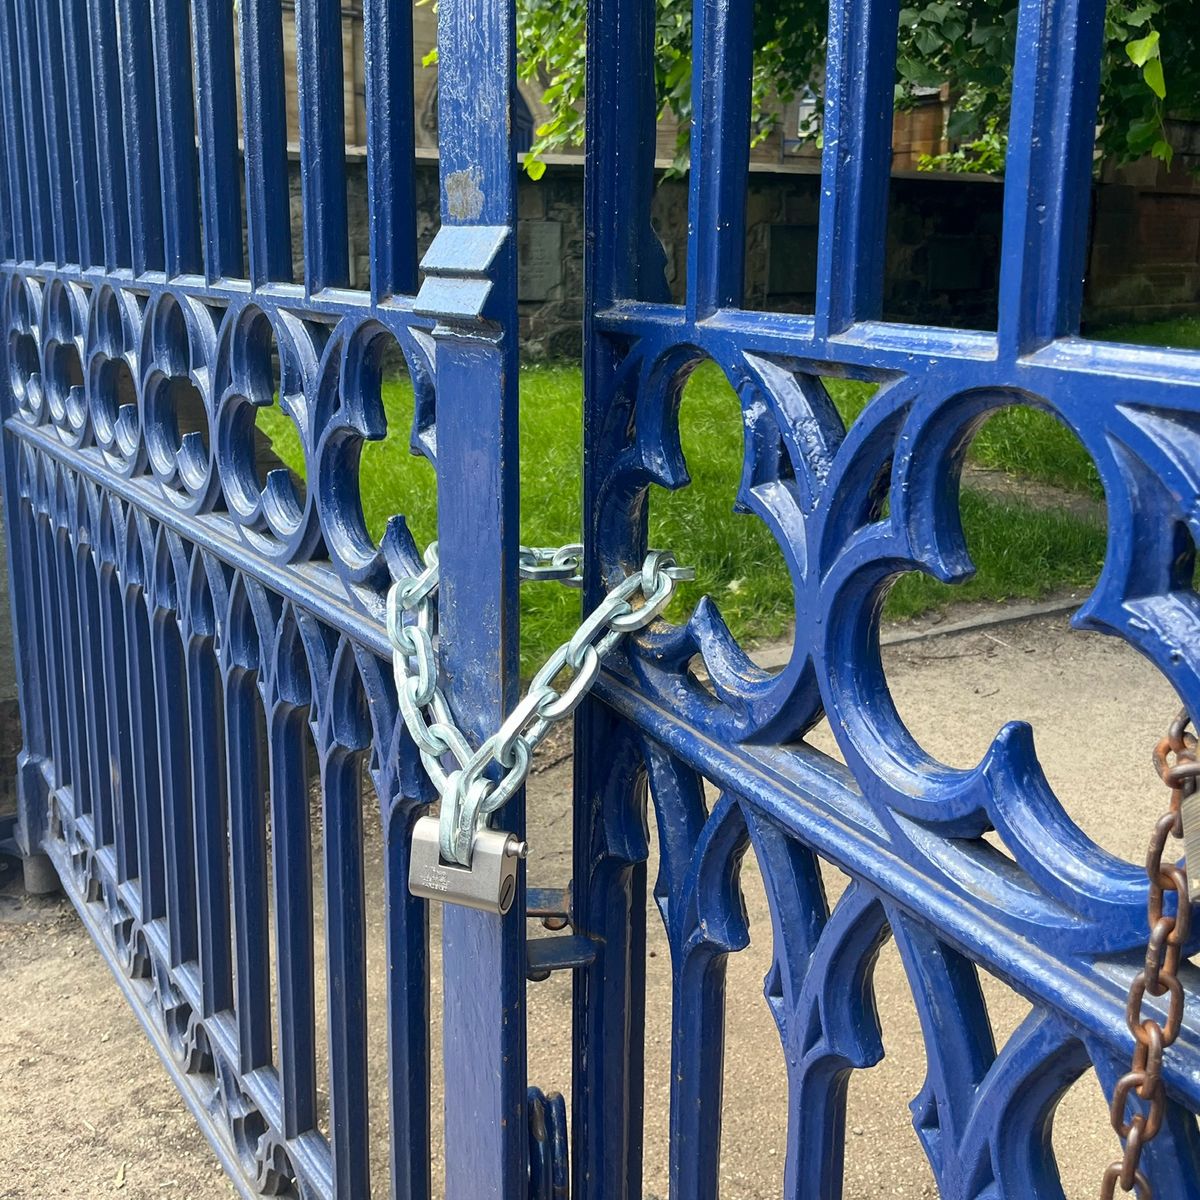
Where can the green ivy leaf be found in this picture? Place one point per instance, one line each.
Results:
(429, 59)
(1140, 50)
(534, 167)
(1163, 151)
(1152, 73)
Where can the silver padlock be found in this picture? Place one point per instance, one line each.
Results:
(1189, 812)
(489, 883)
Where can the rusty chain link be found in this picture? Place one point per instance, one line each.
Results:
(1177, 763)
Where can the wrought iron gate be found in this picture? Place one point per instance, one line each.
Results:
(200, 641)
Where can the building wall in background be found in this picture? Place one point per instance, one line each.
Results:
(942, 258)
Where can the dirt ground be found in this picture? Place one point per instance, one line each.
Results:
(87, 1110)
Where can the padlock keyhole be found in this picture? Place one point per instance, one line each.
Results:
(507, 889)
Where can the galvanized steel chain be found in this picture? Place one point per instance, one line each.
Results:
(1176, 760)
(469, 794)
(557, 564)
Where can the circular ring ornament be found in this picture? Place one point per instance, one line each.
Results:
(65, 318)
(23, 324)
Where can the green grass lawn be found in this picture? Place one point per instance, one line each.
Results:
(1020, 552)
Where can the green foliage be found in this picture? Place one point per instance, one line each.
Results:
(1020, 551)
(983, 154)
(557, 30)
(1151, 69)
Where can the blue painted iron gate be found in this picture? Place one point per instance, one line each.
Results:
(201, 641)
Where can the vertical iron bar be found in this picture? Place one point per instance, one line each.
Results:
(207, 752)
(146, 788)
(408, 1013)
(17, 167)
(860, 70)
(1048, 171)
(141, 136)
(28, 607)
(722, 59)
(474, 254)
(322, 143)
(483, 1029)
(391, 145)
(95, 700)
(216, 129)
(248, 868)
(176, 137)
(110, 132)
(174, 757)
(57, 131)
(27, 617)
(264, 123)
(624, 261)
(291, 856)
(66, 649)
(8, 243)
(346, 971)
(35, 141)
(58, 743)
(82, 130)
(119, 758)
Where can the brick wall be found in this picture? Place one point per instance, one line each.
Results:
(1144, 262)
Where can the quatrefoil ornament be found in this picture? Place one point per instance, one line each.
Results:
(65, 342)
(113, 338)
(23, 305)
(178, 346)
(350, 413)
(265, 360)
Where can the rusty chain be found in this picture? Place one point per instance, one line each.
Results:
(1176, 759)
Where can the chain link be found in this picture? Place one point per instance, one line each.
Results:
(1176, 761)
(560, 564)
(486, 779)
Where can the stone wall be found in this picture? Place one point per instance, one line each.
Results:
(943, 249)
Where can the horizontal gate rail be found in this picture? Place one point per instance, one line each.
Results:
(309, 586)
(814, 798)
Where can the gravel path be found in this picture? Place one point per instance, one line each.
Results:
(87, 1111)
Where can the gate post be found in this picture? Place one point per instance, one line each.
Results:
(470, 288)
